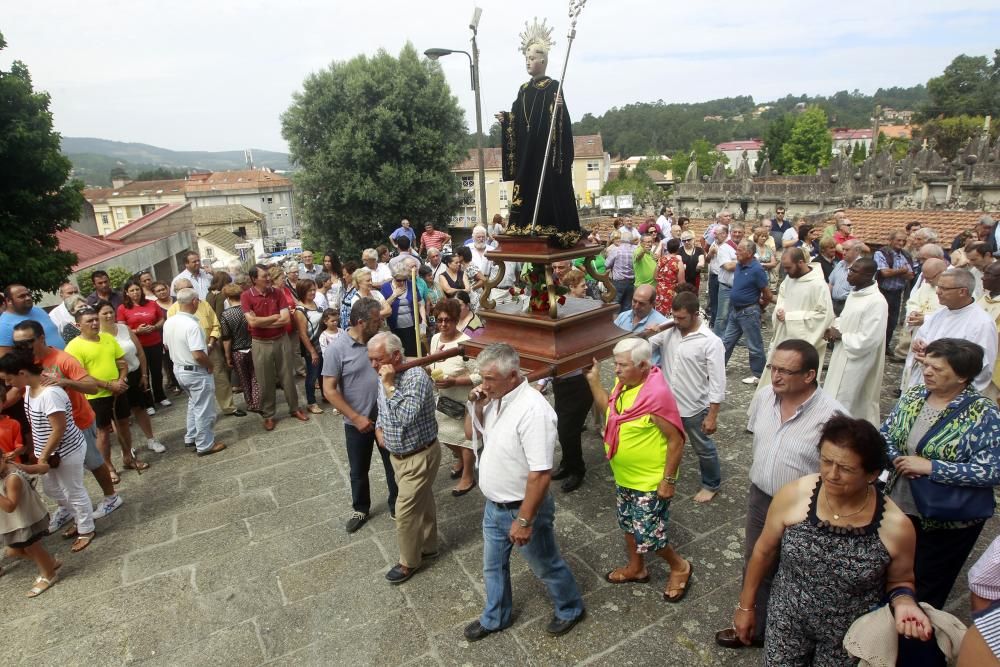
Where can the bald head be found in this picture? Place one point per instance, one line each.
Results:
(929, 250)
(932, 269)
(642, 301)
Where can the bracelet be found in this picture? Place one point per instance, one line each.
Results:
(900, 591)
(670, 479)
(741, 608)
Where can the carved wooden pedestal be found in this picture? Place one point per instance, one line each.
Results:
(563, 339)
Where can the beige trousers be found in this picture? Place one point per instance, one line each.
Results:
(272, 362)
(220, 373)
(416, 513)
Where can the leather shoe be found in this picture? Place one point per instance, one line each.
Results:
(572, 483)
(300, 415)
(558, 626)
(269, 424)
(398, 575)
(475, 631)
(214, 449)
(728, 639)
(237, 413)
(560, 473)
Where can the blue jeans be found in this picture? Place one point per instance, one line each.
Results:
(542, 555)
(199, 385)
(704, 446)
(312, 375)
(746, 322)
(623, 293)
(359, 457)
(722, 310)
(713, 298)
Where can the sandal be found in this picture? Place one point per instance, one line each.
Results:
(70, 533)
(138, 466)
(673, 585)
(115, 478)
(82, 542)
(456, 473)
(38, 589)
(616, 576)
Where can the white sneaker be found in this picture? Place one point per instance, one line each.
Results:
(166, 403)
(750, 380)
(151, 410)
(155, 445)
(59, 519)
(107, 506)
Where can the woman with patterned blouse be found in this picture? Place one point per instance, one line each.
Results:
(943, 439)
(236, 344)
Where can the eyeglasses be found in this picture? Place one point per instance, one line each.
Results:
(784, 372)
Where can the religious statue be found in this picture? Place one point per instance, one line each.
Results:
(524, 132)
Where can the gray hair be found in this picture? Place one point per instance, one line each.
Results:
(638, 349)
(501, 355)
(927, 234)
(390, 342)
(186, 295)
(749, 246)
(433, 251)
(478, 228)
(400, 271)
(72, 302)
(321, 278)
(235, 265)
(986, 220)
(369, 253)
(291, 265)
(929, 250)
(181, 281)
(963, 278)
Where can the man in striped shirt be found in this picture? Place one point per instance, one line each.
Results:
(786, 419)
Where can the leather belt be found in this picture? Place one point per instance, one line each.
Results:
(509, 506)
(417, 450)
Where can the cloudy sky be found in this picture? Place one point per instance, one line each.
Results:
(217, 74)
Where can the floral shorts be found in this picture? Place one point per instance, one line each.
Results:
(645, 515)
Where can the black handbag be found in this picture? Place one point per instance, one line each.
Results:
(451, 407)
(948, 502)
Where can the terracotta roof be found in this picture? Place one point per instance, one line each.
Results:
(236, 180)
(747, 145)
(208, 215)
(491, 158)
(148, 188)
(97, 195)
(588, 145)
(875, 225)
(222, 238)
(90, 250)
(131, 228)
(896, 131)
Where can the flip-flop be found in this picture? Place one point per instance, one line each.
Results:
(625, 580)
(685, 587)
(115, 477)
(136, 465)
(82, 542)
(70, 532)
(38, 589)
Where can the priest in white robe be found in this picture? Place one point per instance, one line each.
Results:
(804, 309)
(959, 317)
(990, 302)
(854, 378)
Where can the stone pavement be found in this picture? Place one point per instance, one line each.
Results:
(242, 559)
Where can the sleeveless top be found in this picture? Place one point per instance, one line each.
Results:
(455, 284)
(829, 567)
(30, 508)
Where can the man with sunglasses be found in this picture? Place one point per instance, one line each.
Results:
(786, 418)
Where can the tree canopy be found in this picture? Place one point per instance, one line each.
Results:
(970, 85)
(36, 198)
(809, 145)
(376, 139)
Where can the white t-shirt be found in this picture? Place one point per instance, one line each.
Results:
(182, 335)
(125, 341)
(38, 408)
(726, 254)
(519, 435)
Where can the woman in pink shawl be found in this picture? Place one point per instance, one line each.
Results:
(643, 441)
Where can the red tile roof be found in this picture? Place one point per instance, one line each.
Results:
(588, 145)
(875, 225)
(236, 180)
(491, 158)
(90, 250)
(122, 233)
(845, 134)
(747, 145)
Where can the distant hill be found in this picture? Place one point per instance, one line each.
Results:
(93, 159)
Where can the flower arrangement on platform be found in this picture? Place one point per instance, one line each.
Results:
(537, 292)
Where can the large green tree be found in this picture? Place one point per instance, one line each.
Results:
(949, 135)
(36, 197)
(969, 85)
(778, 132)
(376, 138)
(809, 145)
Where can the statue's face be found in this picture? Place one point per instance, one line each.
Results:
(535, 60)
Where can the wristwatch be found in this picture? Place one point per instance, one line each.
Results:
(524, 523)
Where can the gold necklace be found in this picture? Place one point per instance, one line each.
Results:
(837, 517)
(527, 113)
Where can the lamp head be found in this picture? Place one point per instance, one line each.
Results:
(434, 54)
(474, 22)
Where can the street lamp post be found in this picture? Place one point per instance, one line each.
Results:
(434, 54)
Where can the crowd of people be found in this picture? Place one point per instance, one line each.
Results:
(847, 509)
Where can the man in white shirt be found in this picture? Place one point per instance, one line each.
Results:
(183, 337)
(693, 357)
(518, 427)
(380, 272)
(59, 315)
(665, 222)
(725, 256)
(308, 270)
(959, 317)
(200, 279)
